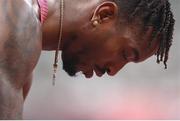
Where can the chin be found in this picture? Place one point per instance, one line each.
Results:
(69, 64)
(70, 68)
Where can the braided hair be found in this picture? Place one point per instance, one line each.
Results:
(156, 13)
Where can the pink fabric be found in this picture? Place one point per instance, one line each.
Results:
(43, 10)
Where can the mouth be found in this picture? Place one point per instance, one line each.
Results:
(90, 72)
(99, 70)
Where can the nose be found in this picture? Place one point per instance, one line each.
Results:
(113, 70)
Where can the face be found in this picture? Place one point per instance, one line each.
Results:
(100, 47)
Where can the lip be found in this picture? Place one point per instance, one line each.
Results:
(99, 71)
(99, 74)
(88, 74)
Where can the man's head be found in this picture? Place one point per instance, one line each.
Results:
(105, 35)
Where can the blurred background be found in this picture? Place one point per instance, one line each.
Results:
(138, 91)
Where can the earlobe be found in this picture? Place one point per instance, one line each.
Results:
(95, 23)
(104, 12)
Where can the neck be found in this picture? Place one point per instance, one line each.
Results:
(50, 28)
(71, 21)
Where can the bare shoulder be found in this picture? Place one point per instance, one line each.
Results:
(20, 40)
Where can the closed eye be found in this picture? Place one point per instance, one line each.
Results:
(124, 55)
(136, 53)
(131, 55)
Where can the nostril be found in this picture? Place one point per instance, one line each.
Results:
(111, 71)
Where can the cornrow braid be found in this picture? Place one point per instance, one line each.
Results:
(156, 13)
(166, 31)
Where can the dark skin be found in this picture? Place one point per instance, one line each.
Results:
(20, 50)
(106, 47)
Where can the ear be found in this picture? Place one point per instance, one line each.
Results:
(105, 11)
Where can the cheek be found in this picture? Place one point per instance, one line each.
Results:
(108, 51)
